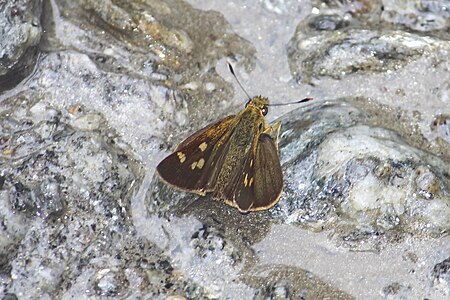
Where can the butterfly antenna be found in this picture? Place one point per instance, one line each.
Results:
(295, 102)
(230, 67)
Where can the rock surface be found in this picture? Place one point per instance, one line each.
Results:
(93, 94)
(20, 35)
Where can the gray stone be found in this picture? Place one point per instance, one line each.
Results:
(20, 35)
(118, 84)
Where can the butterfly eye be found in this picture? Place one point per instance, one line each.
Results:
(264, 110)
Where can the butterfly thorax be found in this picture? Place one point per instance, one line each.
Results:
(260, 103)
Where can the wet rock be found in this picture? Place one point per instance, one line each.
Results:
(367, 184)
(354, 12)
(164, 47)
(119, 84)
(339, 52)
(19, 38)
(88, 122)
(395, 290)
(115, 82)
(442, 270)
(422, 16)
(207, 252)
(158, 195)
(10, 296)
(339, 39)
(68, 197)
(291, 283)
(107, 280)
(46, 178)
(441, 131)
(349, 48)
(279, 290)
(340, 169)
(209, 239)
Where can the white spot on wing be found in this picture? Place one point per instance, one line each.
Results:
(200, 163)
(203, 146)
(181, 157)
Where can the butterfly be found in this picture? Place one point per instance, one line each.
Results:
(235, 158)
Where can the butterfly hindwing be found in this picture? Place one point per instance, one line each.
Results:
(193, 166)
(259, 183)
(268, 174)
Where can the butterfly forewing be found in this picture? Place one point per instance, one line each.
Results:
(194, 165)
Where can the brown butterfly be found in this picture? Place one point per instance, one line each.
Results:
(235, 158)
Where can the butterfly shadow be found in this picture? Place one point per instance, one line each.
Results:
(243, 228)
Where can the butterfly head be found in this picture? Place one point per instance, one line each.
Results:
(260, 103)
